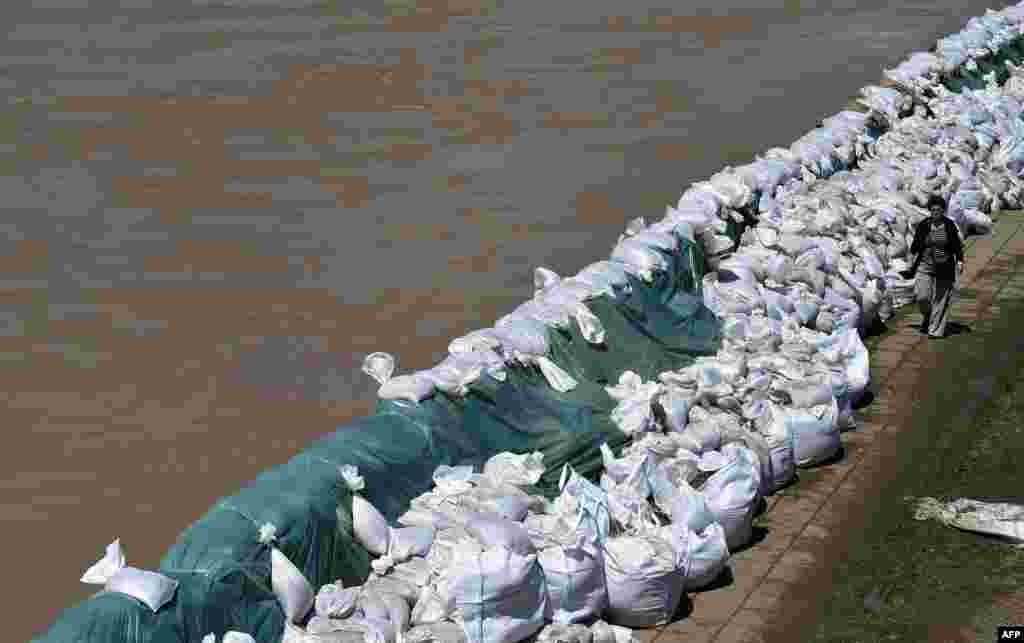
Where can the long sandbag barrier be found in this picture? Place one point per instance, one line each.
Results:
(657, 306)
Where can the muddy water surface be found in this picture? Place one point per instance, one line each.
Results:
(213, 210)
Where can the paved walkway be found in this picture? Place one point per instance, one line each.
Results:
(800, 519)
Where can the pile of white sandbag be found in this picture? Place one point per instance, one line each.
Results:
(484, 562)
(835, 214)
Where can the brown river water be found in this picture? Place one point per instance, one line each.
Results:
(213, 210)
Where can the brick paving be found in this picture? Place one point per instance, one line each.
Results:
(800, 518)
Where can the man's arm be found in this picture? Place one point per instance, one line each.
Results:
(958, 243)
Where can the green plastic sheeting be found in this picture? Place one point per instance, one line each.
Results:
(228, 597)
(649, 328)
(652, 329)
(962, 79)
(308, 507)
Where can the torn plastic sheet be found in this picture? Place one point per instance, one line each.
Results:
(1002, 519)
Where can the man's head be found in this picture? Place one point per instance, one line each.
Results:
(936, 206)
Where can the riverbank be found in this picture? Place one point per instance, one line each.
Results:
(839, 557)
(230, 229)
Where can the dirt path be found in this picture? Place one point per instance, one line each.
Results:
(929, 394)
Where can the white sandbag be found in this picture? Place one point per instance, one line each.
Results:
(711, 461)
(379, 366)
(607, 633)
(565, 633)
(290, 586)
(782, 450)
(590, 325)
(777, 305)
(350, 630)
(706, 435)
(578, 494)
(368, 524)
(815, 433)
(475, 341)
(629, 509)
(152, 589)
(848, 348)
(729, 187)
(553, 315)
(689, 507)
(575, 579)
(480, 362)
(399, 614)
(504, 500)
(396, 584)
(455, 374)
(977, 223)
(808, 391)
(740, 266)
(675, 403)
(453, 478)
(493, 531)
(229, 637)
(656, 238)
(628, 385)
(549, 530)
(645, 579)
(806, 306)
(440, 632)
(635, 469)
(406, 542)
(684, 226)
(527, 336)
(329, 630)
(764, 334)
(335, 601)
(670, 476)
(415, 572)
(605, 275)
(634, 227)
(715, 244)
(731, 495)
(659, 446)
(544, 279)
(731, 298)
(755, 444)
(430, 607)
(728, 366)
(811, 276)
(502, 595)
(414, 388)
(517, 469)
(698, 199)
(635, 414)
(639, 259)
(707, 554)
(372, 605)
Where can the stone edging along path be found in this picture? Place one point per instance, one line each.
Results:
(773, 580)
